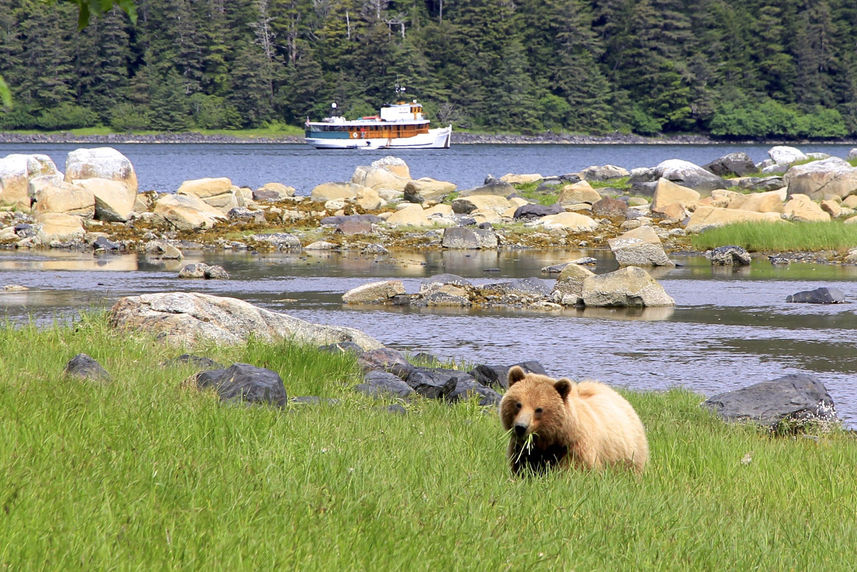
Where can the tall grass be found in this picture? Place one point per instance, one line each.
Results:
(144, 473)
(779, 236)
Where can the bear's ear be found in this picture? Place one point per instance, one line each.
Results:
(516, 374)
(563, 387)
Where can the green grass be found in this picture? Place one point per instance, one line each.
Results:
(146, 474)
(547, 196)
(620, 183)
(273, 129)
(794, 236)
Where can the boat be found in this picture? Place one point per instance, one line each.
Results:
(398, 126)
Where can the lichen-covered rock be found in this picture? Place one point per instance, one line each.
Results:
(627, 287)
(374, 292)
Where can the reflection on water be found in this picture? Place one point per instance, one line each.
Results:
(729, 328)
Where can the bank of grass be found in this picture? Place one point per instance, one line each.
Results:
(780, 236)
(271, 130)
(144, 473)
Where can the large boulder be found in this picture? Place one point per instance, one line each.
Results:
(379, 383)
(792, 399)
(821, 295)
(802, 208)
(521, 178)
(466, 205)
(603, 173)
(689, 175)
(825, 179)
(272, 192)
(627, 287)
(61, 197)
(784, 155)
(491, 187)
(188, 317)
(114, 201)
(732, 165)
(669, 193)
(575, 193)
(217, 192)
(335, 191)
(244, 383)
(17, 171)
(639, 247)
(412, 215)
(767, 202)
(187, 212)
(705, 217)
(469, 238)
(532, 211)
(58, 226)
(100, 163)
(568, 289)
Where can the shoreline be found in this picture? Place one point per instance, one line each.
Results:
(459, 138)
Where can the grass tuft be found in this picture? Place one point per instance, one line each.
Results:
(780, 237)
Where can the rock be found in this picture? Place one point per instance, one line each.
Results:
(200, 362)
(791, 399)
(84, 367)
(333, 191)
(444, 279)
(826, 179)
(427, 190)
(246, 215)
(581, 192)
(639, 247)
(394, 165)
(574, 222)
(784, 155)
(520, 292)
(494, 187)
(460, 237)
(532, 211)
(768, 202)
(245, 383)
(376, 249)
(802, 208)
(387, 359)
(413, 215)
(273, 192)
(610, 207)
(732, 165)
(337, 220)
(689, 175)
(497, 376)
(467, 388)
(374, 293)
(603, 173)
(18, 171)
(187, 212)
(62, 197)
(668, 193)
(759, 184)
(435, 383)
(104, 243)
(443, 296)
(377, 383)
(278, 240)
(818, 296)
(100, 163)
(521, 179)
(568, 289)
(729, 256)
(321, 245)
(162, 249)
(705, 217)
(466, 205)
(200, 270)
(187, 317)
(58, 226)
(377, 176)
(114, 201)
(627, 287)
(831, 207)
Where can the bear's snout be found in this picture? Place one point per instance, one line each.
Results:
(520, 429)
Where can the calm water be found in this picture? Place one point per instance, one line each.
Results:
(728, 329)
(163, 167)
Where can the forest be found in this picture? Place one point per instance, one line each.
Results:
(724, 68)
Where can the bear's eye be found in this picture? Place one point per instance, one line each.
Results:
(538, 410)
(518, 405)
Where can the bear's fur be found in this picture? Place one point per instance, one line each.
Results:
(560, 423)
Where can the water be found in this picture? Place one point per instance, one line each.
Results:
(163, 167)
(728, 329)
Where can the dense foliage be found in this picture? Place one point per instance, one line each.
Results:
(732, 68)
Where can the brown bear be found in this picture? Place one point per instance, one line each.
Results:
(558, 423)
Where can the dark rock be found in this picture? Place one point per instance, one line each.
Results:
(610, 207)
(104, 243)
(527, 288)
(643, 189)
(468, 238)
(729, 256)
(375, 249)
(378, 383)
(198, 361)
(791, 398)
(85, 367)
(435, 383)
(760, 184)
(267, 195)
(818, 296)
(216, 272)
(386, 359)
(498, 375)
(554, 268)
(352, 227)
(732, 165)
(533, 211)
(468, 387)
(25, 230)
(246, 383)
(246, 215)
(485, 226)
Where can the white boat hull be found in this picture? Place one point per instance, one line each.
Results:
(435, 139)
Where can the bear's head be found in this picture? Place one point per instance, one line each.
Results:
(534, 412)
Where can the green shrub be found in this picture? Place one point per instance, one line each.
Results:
(66, 115)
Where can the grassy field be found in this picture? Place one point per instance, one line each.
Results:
(146, 473)
(781, 237)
